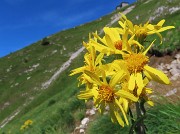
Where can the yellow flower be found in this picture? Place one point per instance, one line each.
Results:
(119, 83)
(92, 63)
(145, 92)
(113, 43)
(91, 60)
(144, 95)
(26, 124)
(125, 102)
(137, 65)
(107, 94)
(118, 66)
(23, 127)
(142, 31)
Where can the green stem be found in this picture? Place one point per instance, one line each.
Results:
(131, 115)
(138, 125)
(142, 102)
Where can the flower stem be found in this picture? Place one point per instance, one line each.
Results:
(138, 125)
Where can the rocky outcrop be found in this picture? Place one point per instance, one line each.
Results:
(173, 69)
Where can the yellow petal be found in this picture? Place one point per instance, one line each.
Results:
(85, 44)
(98, 59)
(147, 75)
(139, 82)
(126, 45)
(85, 95)
(150, 103)
(139, 90)
(102, 107)
(87, 78)
(122, 110)
(111, 110)
(98, 46)
(120, 30)
(150, 27)
(94, 77)
(120, 100)
(130, 24)
(102, 40)
(125, 105)
(159, 37)
(133, 42)
(115, 35)
(157, 75)
(119, 119)
(109, 42)
(148, 90)
(115, 65)
(145, 52)
(77, 70)
(116, 51)
(116, 78)
(108, 69)
(165, 28)
(123, 16)
(126, 94)
(121, 24)
(160, 23)
(131, 83)
(145, 81)
(92, 54)
(86, 57)
(132, 38)
(104, 77)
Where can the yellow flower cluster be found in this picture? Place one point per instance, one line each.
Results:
(26, 124)
(117, 83)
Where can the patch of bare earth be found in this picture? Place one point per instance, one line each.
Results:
(172, 91)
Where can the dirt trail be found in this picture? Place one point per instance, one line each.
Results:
(9, 118)
(62, 68)
(14, 114)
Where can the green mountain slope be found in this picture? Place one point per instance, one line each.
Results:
(56, 109)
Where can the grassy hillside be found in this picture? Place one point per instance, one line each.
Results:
(19, 74)
(56, 109)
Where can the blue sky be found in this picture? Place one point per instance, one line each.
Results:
(23, 22)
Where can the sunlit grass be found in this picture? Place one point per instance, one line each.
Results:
(161, 119)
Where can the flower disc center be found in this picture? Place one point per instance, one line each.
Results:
(136, 62)
(106, 93)
(141, 33)
(118, 45)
